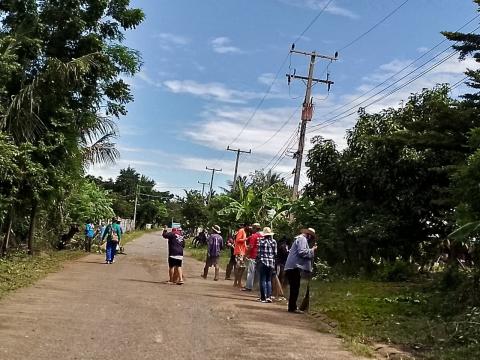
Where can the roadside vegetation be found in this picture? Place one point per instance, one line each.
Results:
(397, 211)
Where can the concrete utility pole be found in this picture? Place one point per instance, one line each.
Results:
(135, 209)
(307, 111)
(203, 186)
(238, 151)
(211, 181)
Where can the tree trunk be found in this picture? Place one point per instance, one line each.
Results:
(31, 231)
(6, 238)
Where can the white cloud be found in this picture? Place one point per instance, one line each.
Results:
(222, 45)
(142, 75)
(211, 91)
(220, 125)
(422, 49)
(170, 41)
(333, 8)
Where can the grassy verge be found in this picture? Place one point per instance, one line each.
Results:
(200, 254)
(19, 269)
(413, 316)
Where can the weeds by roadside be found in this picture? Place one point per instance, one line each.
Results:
(19, 269)
(416, 316)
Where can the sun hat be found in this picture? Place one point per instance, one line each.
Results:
(256, 224)
(217, 229)
(310, 231)
(267, 231)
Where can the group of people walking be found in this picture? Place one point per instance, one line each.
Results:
(255, 250)
(111, 232)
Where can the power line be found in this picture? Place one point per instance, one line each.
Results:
(280, 129)
(284, 147)
(314, 20)
(374, 26)
(277, 74)
(404, 68)
(338, 117)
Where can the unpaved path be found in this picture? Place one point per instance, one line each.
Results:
(124, 312)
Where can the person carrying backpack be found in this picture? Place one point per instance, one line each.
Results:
(113, 233)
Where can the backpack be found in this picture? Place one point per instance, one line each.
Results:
(113, 234)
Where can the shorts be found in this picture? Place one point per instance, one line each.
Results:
(172, 262)
(240, 261)
(212, 261)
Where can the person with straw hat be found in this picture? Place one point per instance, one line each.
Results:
(299, 259)
(214, 246)
(267, 250)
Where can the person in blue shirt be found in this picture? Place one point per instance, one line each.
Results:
(89, 235)
(299, 260)
(113, 233)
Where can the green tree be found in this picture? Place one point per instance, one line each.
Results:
(89, 202)
(390, 189)
(61, 63)
(194, 210)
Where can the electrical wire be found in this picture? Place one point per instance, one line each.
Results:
(406, 67)
(338, 117)
(280, 129)
(374, 26)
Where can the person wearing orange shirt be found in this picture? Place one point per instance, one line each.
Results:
(239, 251)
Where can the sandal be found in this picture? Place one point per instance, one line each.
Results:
(180, 283)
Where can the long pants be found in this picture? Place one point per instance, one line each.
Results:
(265, 281)
(208, 262)
(230, 267)
(88, 243)
(281, 273)
(251, 265)
(293, 276)
(111, 250)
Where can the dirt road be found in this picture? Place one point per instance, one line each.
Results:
(124, 311)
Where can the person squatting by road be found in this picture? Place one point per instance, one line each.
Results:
(176, 243)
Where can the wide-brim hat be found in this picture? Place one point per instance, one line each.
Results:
(267, 232)
(217, 229)
(310, 231)
(256, 225)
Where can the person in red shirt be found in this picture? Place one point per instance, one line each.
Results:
(252, 243)
(239, 251)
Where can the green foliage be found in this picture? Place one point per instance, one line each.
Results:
(415, 316)
(396, 271)
(89, 202)
(388, 195)
(194, 210)
(60, 63)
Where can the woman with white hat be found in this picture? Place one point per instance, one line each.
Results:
(267, 250)
(299, 259)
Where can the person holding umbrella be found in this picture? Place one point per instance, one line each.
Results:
(299, 259)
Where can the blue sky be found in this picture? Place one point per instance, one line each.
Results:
(208, 64)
